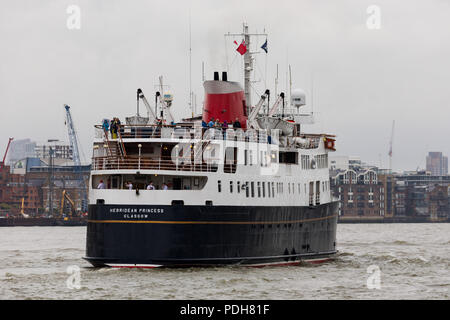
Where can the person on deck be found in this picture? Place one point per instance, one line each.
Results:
(224, 128)
(237, 124)
(101, 185)
(113, 129)
(105, 126)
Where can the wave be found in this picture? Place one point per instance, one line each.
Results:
(344, 254)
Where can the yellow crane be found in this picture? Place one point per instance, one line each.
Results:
(65, 196)
(21, 209)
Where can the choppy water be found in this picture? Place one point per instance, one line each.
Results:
(413, 262)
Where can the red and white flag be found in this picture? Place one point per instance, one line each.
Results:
(242, 49)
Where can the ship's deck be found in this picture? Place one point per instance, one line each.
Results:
(120, 152)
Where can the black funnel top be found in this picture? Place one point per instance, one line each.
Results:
(224, 76)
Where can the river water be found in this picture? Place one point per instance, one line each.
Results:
(376, 261)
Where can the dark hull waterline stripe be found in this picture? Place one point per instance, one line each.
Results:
(259, 265)
(211, 222)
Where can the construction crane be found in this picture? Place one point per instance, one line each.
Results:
(22, 209)
(72, 137)
(76, 157)
(6, 152)
(65, 196)
(390, 146)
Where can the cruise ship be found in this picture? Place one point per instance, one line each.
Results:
(241, 184)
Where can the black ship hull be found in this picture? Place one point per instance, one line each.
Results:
(178, 235)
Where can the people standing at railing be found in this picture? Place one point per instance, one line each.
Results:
(164, 187)
(113, 129)
(237, 124)
(224, 128)
(211, 123)
(105, 126)
(118, 123)
(115, 123)
(151, 186)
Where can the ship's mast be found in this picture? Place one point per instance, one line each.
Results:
(248, 67)
(248, 62)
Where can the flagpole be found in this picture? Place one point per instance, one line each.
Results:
(248, 62)
(190, 66)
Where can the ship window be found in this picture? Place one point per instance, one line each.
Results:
(259, 189)
(231, 186)
(273, 189)
(264, 189)
(289, 157)
(219, 186)
(253, 188)
(230, 160)
(247, 191)
(239, 187)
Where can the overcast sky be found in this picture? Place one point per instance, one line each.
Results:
(363, 78)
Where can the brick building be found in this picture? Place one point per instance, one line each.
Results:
(17, 194)
(40, 188)
(373, 194)
(359, 191)
(422, 195)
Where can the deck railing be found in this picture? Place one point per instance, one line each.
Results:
(181, 164)
(182, 132)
